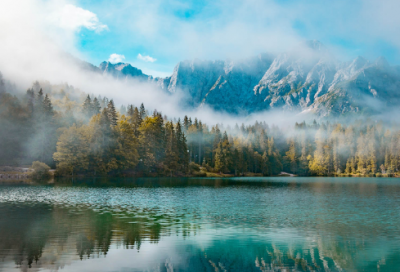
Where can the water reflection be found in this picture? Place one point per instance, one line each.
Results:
(201, 225)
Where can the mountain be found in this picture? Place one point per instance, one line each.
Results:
(122, 70)
(305, 79)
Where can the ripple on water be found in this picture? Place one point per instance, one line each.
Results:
(236, 225)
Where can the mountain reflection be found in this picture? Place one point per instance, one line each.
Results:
(199, 225)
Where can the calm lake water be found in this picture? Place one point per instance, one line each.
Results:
(240, 224)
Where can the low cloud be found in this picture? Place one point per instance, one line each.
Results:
(74, 18)
(115, 58)
(146, 58)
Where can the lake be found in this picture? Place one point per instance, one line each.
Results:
(171, 224)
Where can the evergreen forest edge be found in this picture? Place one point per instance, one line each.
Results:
(94, 139)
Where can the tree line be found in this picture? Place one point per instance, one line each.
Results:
(98, 139)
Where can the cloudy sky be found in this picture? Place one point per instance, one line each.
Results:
(155, 35)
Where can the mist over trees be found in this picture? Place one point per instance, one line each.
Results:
(93, 137)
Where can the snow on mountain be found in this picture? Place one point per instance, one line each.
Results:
(305, 79)
(121, 70)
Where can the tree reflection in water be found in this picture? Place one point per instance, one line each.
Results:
(193, 226)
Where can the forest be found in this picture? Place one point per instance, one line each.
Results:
(94, 138)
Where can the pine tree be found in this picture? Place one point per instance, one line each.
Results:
(130, 111)
(200, 140)
(152, 141)
(388, 161)
(236, 161)
(142, 112)
(183, 156)
(103, 144)
(47, 106)
(219, 158)
(39, 104)
(30, 98)
(217, 139)
(265, 164)
(348, 167)
(303, 161)
(291, 157)
(361, 155)
(40, 96)
(319, 163)
(126, 154)
(112, 113)
(95, 109)
(136, 121)
(186, 123)
(87, 107)
(171, 154)
(227, 153)
(372, 161)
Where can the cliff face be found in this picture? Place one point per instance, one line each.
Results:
(306, 79)
(121, 70)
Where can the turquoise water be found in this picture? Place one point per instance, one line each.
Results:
(240, 224)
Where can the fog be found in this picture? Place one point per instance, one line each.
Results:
(40, 43)
(40, 46)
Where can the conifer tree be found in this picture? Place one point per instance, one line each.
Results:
(236, 161)
(200, 140)
(136, 121)
(171, 148)
(103, 144)
(217, 139)
(30, 97)
(219, 158)
(39, 104)
(227, 152)
(183, 156)
(371, 153)
(47, 106)
(87, 107)
(291, 157)
(186, 123)
(348, 169)
(112, 113)
(130, 111)
(152, 141)
(265, 164)
(95, 109)
(318, 163)
(126, 154)
(40, 96)
(361, 155)
(142, 111)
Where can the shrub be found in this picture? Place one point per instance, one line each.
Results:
(378, 175)
(41, 170)
(194, 167)
(200, 174)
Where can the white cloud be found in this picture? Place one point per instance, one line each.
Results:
(74, 18)
(115, 58)
(146, 58)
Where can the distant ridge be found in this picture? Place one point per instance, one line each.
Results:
(305, 79)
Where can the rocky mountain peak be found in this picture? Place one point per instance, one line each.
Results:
(306, 79)
(121, 70)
